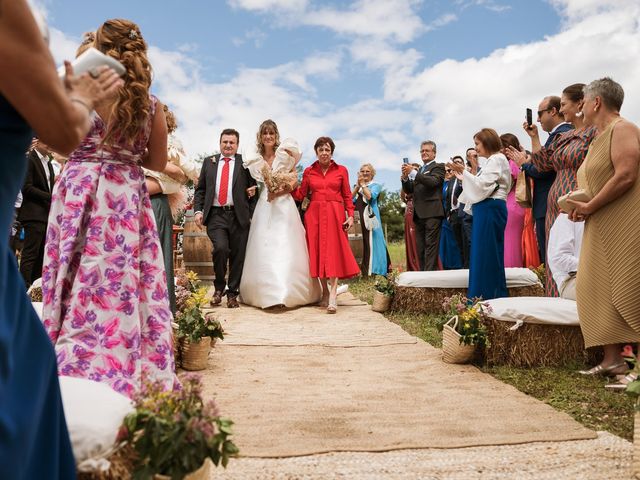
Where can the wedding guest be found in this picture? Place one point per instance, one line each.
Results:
(513, 256)
(411, 249)
(485, 195)
(563, 153)
(450, 256)
(375, 256)
(168, 196)
(565, 240)
(106, 306)
(428, 213)
(608, 288)
(34, 441)
(34, 211)
(330, 256)
(473, 167)
(455, 214)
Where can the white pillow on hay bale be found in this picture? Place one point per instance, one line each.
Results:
(37, 306)
(424, 292)
(94, 414)
(533, 331)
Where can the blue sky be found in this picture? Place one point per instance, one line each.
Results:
(378, 76)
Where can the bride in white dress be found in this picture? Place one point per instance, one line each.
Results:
(276, 266)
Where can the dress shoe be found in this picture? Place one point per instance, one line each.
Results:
(216, 299)
(333, 306)
(232, 302)
(609, 371)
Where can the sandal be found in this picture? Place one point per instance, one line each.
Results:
(622, 383)
(333, 306)
(609, 371)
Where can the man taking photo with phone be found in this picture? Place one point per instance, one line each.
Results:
(428, 212)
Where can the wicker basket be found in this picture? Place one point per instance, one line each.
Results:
(452, 350)
(195, 356)
(381, 302)
(203, 473)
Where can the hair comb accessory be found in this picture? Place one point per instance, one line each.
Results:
(133, 34)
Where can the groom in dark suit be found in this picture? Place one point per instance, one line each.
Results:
(34, 211)
(428, 210)
(224, 201)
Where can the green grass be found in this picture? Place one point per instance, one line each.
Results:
(398, 255)
(584, 398)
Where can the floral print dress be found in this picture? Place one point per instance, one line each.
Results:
(106, 306)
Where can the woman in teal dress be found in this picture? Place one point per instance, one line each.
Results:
(375, 256)
(34, 442)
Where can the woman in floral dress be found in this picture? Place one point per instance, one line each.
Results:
(106, 306)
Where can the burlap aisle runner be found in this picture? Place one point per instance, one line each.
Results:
(374, 389)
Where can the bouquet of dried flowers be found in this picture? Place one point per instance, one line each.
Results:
(173, 433)
(471, 316)
(276, 181)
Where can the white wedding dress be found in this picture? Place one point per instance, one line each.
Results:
(276, 265)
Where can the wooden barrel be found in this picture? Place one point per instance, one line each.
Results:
(355, 237)
(197, 249)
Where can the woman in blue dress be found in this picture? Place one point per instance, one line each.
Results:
(450, 256)
(375, 256)
(485, 194)
(34, 442)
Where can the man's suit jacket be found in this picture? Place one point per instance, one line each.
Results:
(451, 193)
(542, 181)
(36, 193)
(427, 191)
(206, 189)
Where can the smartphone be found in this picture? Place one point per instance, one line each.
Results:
(529, 117)
(405, 160)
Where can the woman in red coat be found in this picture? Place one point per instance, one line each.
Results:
(330, 256)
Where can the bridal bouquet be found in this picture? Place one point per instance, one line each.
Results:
(277, 180)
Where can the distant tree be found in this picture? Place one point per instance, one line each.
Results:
(392, 214)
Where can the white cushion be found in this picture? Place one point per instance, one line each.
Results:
(516, 277)
(94, 414)
(540, 310)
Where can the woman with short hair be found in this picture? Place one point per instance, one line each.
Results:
(375, 256)
(330, 256)
(485, 194)
(608, 284)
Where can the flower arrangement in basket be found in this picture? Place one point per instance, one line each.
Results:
(465, 330)
(175, 433)
(196, 332)
(385, 288)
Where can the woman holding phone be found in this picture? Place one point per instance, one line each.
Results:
(330, 256)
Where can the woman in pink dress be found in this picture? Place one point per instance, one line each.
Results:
(515, 213)
(106, 306)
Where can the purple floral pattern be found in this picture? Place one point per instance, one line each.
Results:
(106, 307)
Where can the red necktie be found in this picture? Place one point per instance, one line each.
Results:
(224, 183)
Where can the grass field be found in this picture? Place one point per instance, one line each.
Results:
(584, 398)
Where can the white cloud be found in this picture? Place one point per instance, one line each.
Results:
(266, 5)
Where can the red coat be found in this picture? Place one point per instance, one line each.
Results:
(329, 251)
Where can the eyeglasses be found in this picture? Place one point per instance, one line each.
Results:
(540, 112)
(447, 170)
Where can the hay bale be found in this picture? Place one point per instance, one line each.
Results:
(534, 345)
(429, 300)
(122, 462)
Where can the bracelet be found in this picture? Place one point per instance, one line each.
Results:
(81, 102)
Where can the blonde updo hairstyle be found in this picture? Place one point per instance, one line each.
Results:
(122, 40)
(271, 125)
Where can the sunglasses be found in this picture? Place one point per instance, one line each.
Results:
(447, 170)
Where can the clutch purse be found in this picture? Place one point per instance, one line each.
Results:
(577, 195)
